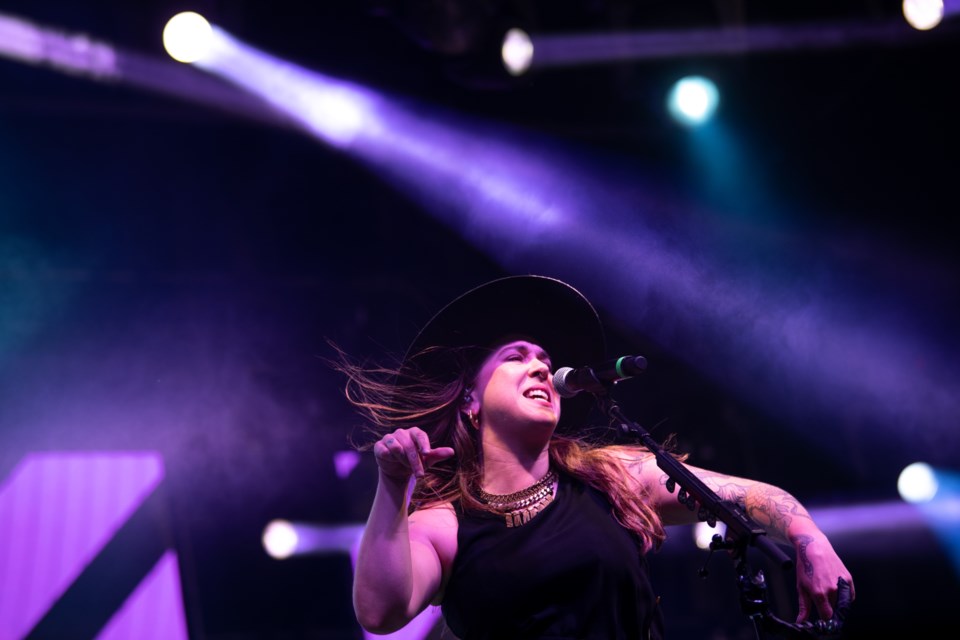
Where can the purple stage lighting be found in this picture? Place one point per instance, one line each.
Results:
(73, 53)
(154, 611)
(344, 462)
(283, 538)
(79, 54)
(332, 110)
(927, 14)
(536, 207)
(572, 49)
(800, 344)
(57, 512)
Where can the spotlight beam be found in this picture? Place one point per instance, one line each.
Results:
(79, 55)
(531, 206)
(187, 83)
(558, 50)
(488, 183)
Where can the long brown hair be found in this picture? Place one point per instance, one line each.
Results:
(402, 397)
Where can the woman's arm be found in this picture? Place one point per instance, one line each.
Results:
(778, 512)
(402, 560)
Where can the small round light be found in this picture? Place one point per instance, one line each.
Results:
(187, 37)
(693, 100)
(703, 533)
(917, 483)
(923, 14)
(280, 539)
(517, 51)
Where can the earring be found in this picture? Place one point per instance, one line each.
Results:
(467, 399)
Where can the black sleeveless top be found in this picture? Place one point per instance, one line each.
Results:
(570, 573)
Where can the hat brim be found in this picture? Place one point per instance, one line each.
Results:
(544, 310)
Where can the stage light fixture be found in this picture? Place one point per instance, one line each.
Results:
(703, 533)
(923, 14)
(517, 52)
(187, 37)
(693, 100)
(917, 483)
(283, 538)
(280, 539)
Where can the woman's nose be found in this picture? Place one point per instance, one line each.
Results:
(539, 369)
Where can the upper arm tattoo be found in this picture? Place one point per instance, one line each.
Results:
(769, 506)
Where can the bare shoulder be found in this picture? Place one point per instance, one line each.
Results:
(634, 458)
(436, 524)
(435, 515)
(436, 527)
(640, 465)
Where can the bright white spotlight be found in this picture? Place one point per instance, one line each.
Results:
(693, 100)
(284, 539)
(187, 37)
(280, 539)
(703, 533)
(517, 51)
(923, 14)
(917, 483)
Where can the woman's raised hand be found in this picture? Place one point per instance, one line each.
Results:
(407, 452)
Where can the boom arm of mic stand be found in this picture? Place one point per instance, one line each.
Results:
(740, 527)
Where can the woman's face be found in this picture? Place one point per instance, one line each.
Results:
(514, 386)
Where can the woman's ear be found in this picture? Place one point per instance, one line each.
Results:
(471, 406)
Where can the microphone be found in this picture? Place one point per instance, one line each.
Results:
(569, 381)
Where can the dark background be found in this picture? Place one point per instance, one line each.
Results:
(170, 274)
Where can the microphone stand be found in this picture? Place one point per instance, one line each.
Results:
(742, 532)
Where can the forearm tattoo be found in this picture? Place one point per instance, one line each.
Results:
(771, 507)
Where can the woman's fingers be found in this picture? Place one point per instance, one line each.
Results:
(803, 614)
(420, 439)
(434, 456)
(406, 447)
(408, 451)
(428, 455)
(824, 607)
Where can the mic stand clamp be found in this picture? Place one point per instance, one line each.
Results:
(742, 532)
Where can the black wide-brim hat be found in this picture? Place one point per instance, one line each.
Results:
(543, 310)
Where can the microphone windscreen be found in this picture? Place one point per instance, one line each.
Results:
(560, 383)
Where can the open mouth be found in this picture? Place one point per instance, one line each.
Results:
(537, 394)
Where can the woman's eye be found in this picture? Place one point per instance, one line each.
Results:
(514, 356)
